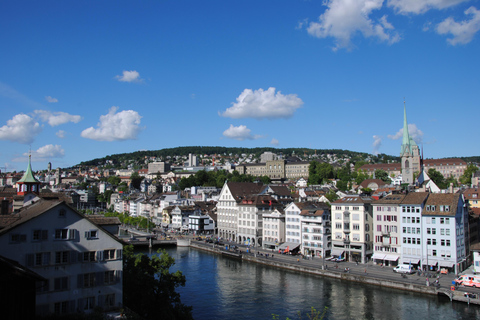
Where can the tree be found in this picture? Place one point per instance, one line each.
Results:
(438, 178)
(135, 180)
(149, 286)
(114, 180)
(466, 178)
(382, 174)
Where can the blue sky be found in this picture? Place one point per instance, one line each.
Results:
(85, 79)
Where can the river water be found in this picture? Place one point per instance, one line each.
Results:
(218, 287)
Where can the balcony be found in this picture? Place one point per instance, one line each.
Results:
(346, 240)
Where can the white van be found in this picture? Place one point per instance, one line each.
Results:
(403, 268)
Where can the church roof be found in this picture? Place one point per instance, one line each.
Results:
(28, 175)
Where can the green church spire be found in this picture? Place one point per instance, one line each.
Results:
(28, 175)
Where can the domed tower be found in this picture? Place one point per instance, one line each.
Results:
(409, 152)
(28, 183)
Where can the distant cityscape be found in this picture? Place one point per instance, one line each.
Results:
(57, 240)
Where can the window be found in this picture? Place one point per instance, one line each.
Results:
(62, 213)
(38, 259)
(89, 280)
(62, 257)
(109, 277)
(60, 284)
(40, 235)
(89, 256)
(109, 254)
(18, 238)
(92, 234)
(64, 234)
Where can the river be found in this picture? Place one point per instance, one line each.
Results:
(223, 288)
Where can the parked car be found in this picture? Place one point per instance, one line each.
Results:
(404, 268)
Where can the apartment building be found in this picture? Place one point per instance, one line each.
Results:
(352, 228)
(387, 229)
(316, 229)
(81, 262)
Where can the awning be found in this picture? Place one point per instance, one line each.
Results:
(337, 252)
(446, 264)
(431, 262)
(378, 256)
(410, 261)
(291, 246)
(391, 257)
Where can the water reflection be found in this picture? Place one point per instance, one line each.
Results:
(224, 288)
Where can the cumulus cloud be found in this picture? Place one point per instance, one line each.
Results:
(274, 142)
(415, 133)
(463, 31)
(263, 104)
(124, 125)
(57, 118)
(47, 152)
(21, 128)
(61, 134)
(377, 142)
(239, 133)
(345, 18)
(50, 99)
(129, 76)
(421, 6)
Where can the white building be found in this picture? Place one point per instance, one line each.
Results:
(316, 229)
(227, 208)
(81, 262)
(352, 228)
(411, 228)
(273, 228)
(293, 224)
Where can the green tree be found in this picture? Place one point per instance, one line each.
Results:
(438, 178)
(149, 288)
(114, 180)
(466, 177)
(331, 196)
(135, 180)
(382, 174)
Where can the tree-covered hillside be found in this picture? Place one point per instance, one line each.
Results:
(205, 150)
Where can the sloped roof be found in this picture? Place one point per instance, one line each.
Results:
(391, 199)
(102, 220)
(242, 189)
(28, 176)
(415, 198)
(442, 199)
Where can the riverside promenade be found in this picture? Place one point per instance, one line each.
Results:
(359, 273)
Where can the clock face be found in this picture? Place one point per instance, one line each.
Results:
(407, 170)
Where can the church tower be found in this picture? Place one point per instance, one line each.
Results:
(28, 183)
(410, 153)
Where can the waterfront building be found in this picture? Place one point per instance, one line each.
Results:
(315, 227)
(411, 228)
(352, 228)
(445, 230)
(250, 218)
(81, 262)
(200, 223)
(293, 225)
(227, 206)
(387, 229)
(273, 228)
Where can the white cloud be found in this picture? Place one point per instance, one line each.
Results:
(263, 104)
(50, 99)
(463, 31)
(421, 6)
(239, 133)
(345, 18)
(377, 142)
(415, 133)
(129, 76)
(61, 134)
(47, 152)
(57, 118)
(113, 126)
(21, 128)
(274, 142)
